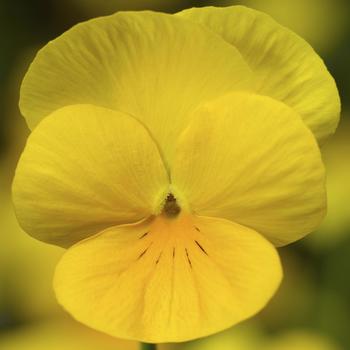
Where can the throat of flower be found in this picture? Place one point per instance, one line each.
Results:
(171, 239)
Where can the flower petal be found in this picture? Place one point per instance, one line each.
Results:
(168, 279)
(84, 169)
(154, 66)
(250, 159)
(284, 65)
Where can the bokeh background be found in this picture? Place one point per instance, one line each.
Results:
(312, 308)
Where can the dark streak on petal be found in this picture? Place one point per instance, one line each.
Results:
(144, 252)
(157, 261)
(144, 235)
(188, 258)
(201, 248)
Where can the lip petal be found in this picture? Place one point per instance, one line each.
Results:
(168, 279)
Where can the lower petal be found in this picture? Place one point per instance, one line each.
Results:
(168, 279)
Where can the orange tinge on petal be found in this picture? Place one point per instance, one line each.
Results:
(169, 278)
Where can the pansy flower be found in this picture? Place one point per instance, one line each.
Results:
(170, 154)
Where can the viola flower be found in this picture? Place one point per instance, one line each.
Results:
(170, 154)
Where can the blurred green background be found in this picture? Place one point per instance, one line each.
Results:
(311, 311)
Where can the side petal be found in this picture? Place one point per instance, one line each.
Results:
(154, 66)
(250, 159)
(84, 169)
(285, 66)
(168, 280)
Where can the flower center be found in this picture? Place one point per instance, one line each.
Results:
(171, 208)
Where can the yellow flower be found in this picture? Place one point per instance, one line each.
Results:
(170, 160)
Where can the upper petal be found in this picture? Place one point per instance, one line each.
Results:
(168, 280)
(284, 65)
(84, 169)
(154, 66)
(251, 159)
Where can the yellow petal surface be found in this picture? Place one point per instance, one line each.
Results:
(84, 169)
(251, 159)
(154, 66)
(284, 65)
(168, 279)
